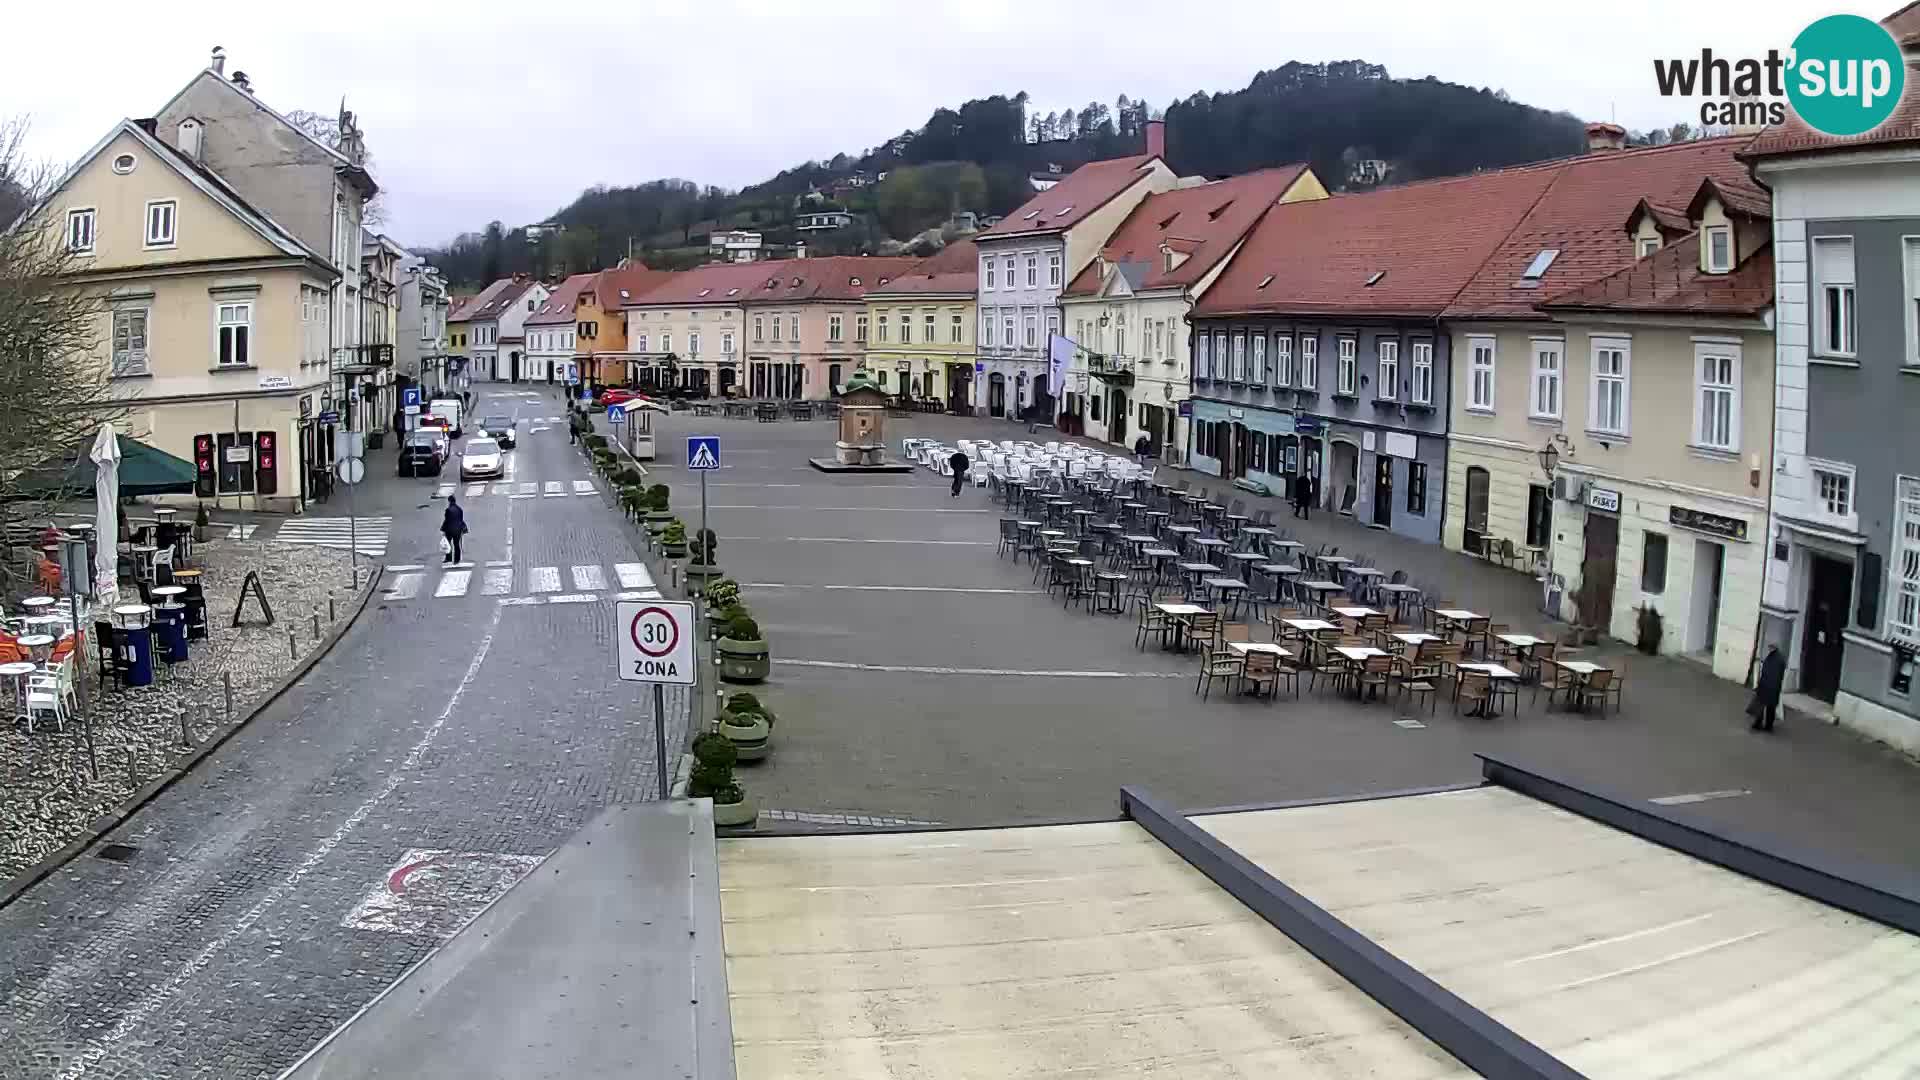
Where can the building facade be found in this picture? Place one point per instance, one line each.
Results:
(1126, 312)
(601, 354)
(494, 324)
(1843, 540)
(553, 330)
(678, 330)
(420, 349)
(803, 318)
(934, 301)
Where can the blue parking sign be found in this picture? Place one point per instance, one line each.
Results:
(703, 452)
(410, 396)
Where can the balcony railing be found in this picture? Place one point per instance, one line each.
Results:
(1109, 367)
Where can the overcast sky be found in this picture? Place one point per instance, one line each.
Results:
(486, 110)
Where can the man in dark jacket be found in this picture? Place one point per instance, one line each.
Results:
(453, 526)
(958, 462)
(1141, 447)
(1765, 706)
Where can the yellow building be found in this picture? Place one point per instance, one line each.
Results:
(213, 322)
(919, 328)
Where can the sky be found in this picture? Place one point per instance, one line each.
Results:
(480, 111)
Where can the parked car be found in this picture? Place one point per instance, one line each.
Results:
(421, 455)
(619, 395)
(482, 457)
(440, 430)
(447, 409)
(501, 429)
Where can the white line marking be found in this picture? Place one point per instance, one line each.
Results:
(583, 487)
(443, 491)
(1699, 796)
(524, 496)
(1584, 946)
(405, 566)
(632, 575)
(501, 488)
(572, 598)
(474, 491)
(637, 594)
(404, 587)
(544, 579)
(453, 583)
(554, 489)
(847, 509)
(499, 562)
(135, 1018)
(859, 540)
(527, 487)
(910, 669)
(497, 582)
(589, 578)
(892, 588)
(1681, 955)
(522, 601)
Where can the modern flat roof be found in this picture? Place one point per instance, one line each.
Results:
(1002, 954)
(1620, 957)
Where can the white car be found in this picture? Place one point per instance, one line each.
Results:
(482, 457)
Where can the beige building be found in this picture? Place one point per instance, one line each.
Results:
(934, 301)
(803, 318)
(214, 319)
(686, 331)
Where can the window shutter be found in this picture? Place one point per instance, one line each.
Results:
(1868, 615)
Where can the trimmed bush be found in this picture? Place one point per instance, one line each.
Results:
(674, 533)
(723, 593)
(712, 774)
(742, 627)
(658, 497)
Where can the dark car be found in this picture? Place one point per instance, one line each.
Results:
(501, 429)
(421, 455)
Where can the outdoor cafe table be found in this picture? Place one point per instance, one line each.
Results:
(16, 673)
(1198, 570)
(1497, 673)
(1521, 644)
(1323, 588)
(1287, 545)
(169, 592)
(1268, 647)
(1226, 591)
(39, 646)
(1305, 627)
(1581, 670)
(1260, 533)
(1278, 572)
(1354, 612)
(1245, 559)
(1332, 563)
(133, 614)
(1399, 595)
(1179, 613)
(1415, 638)
(1209, 545)
(39, 605)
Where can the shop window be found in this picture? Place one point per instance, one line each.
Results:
(1539, 515)
(1417, 488)
(1653, 565)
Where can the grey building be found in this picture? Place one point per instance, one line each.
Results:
(420, 353)
(1842, 597)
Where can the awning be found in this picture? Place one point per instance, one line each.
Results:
(144, 470)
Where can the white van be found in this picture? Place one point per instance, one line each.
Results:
(447, 409)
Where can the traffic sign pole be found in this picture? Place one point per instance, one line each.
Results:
(660, 737)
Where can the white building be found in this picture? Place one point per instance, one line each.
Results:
(736, 245)
(551, 332)
(496, 323)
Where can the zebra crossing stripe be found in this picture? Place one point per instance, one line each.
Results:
(583, 487)
(572, 598)
(526, 487)
(554, 489)
(241, 532)
(633, 575)
(497, 582)
(453, 583)
(368, 536)
(638, 594)
(502, 489)
(404, 587)
(474, 491)
(588, 577)
(544, 579)
(443, 491)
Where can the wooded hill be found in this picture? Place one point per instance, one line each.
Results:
(1355, 124)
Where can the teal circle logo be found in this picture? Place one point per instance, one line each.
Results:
(1847, 75)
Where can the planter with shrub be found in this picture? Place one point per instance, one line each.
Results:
(633, 501)
(200, 524)
(748, 725)
(723, 593)
(743, 653)
(657, 513)
(702, 566)
(673, 539)
(1650, 627)
(712, 778)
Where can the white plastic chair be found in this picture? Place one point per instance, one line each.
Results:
(44, 696)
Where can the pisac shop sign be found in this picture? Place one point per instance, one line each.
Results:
(1686, 517)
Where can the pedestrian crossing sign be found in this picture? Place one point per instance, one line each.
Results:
(616, 414)
(703, 451)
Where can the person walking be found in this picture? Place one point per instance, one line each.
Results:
(452, 527)
(958, 462)
(1142, 448)
(1765, 706)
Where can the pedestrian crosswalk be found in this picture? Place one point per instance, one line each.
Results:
(367, 535)
(514, 489)
(538, 584)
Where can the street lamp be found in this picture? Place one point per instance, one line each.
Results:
(1549, 460)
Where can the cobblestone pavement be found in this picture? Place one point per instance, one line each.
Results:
(50, 791)
(918, 676)
(465, 726)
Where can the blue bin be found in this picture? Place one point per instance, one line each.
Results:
(139, 655)
(172, 628)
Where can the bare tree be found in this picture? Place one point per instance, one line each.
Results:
(326, 129)
(55, 388)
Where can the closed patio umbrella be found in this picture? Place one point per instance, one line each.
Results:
(106, 502)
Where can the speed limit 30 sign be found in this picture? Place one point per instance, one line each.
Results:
(655, 641)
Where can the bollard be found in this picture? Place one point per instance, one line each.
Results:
(293, 647)
(316, 622)
(227, 677)
(332, 616)
(133, 770)
(186, 733)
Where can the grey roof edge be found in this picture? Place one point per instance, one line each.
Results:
(1871, 893)
(1476, 1039)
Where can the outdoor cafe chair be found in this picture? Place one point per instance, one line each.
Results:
(1555, 680)
(1376, 677)
(1201, 629)
(1594, 689)
(1009, 537)
(1326, 664)
(1412, 684)
(1261, 669)
(107, 653)
(1152, 621)
(1476, 688)
(1218, 663)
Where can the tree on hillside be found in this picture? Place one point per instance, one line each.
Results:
(493, 252)
(915, 198)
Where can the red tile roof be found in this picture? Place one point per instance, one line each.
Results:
(953, 269)
(465, 312)
(833, 277)
(715, 283)
(557, 310)
(1070, 201)
(1580, 216)
(612, 289)
(1670, 281)
(1424, 239)
(1204, 221)
(1904, 25)
(1795, 137)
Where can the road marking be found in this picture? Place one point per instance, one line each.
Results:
(136, 1016)
(499, 562)
(1603, 942)
(453, 583)
(527, 487)
(501, 488)
(583, 487)
(848, 509)
(589, 577)
(544, 579)
(367, 535)
(910, 669)
(892, 588)
(859, 540)
(524, 496)
(497, 582)
(474, 491)
(572, 598)
(521, 601)
(405, 566)
(404, 587)
(632, 575)
(241, 532)
(554, 489)
(1699, 796)
(1408, 723)
(638, 594)
(443, 491)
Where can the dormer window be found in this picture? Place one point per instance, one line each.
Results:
(1264, 282)
(1214, 214)
(796, 283)
(1649, 245)
(704, 292)
(1374, 278)
(733, 292)
(1029, 215)
(1063, 211)
(1719, 241)
(853, 281)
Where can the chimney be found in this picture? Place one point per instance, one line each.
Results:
(1604, 136)
(800, 249)
(219, 64)
(245, 84)
(1156, 138)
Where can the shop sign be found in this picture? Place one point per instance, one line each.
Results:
(1686, 517)
(1307, 426)
(1607, 499)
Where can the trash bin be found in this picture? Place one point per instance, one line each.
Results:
(139, 641)
(172, 628)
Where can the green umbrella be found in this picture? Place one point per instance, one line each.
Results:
(143, 471)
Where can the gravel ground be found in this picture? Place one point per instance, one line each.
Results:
(49, 791)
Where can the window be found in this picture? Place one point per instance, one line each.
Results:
(1006, 326)
(1283, 360)
(1159, 337)
(1240, 356)
(1834, 492)
(130, 341)
(1423, 373)
(1053, 327)
(1033, 269)
(927, 328)
(235, 325)
(160, 222)
(1539, 515)
(1388, 387)
(1053, 268)
(1222, 359)
(834, 328)
(1203, 360)
(666, 341)
(80, 230)
(906, 327)
(1417, 488)
(693, 344)
(882, 375)
(1653, 564)
(989, 286)
(1309, 362)
(1260, 359)
(1033, 330)
(1093, 407)
(1120, 339)
(726, 343)
(1833, 276)
(956, 327)
(1719, 249)
(859, 328)
(759, 328)
(986, 328)
(776, 329)
(793, 325)
(1347, 375)
(1006, 268)
(1649, 245)
(1716, 411)
(1548, 358)
(1903, 616)
(640, 343)
(1913, 301)
(1611, 368)
(1480, 373)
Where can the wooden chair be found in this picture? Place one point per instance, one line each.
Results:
(1218, 664)
(1259, 670)
(1595, 689)
(1554, 679)
(1475, 688)
(1617, 684)
(1415, 685)
(1202, 628)
(1236, 632)
(1376, 676)
(1476, 630)
(1536, 660)
(1496, 647)
(1326, 664)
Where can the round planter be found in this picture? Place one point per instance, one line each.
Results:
(743, 661)
(702, 571)
(200, 534)
(736, 814)
(657, 520)
(749, 734)
(674, 551)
